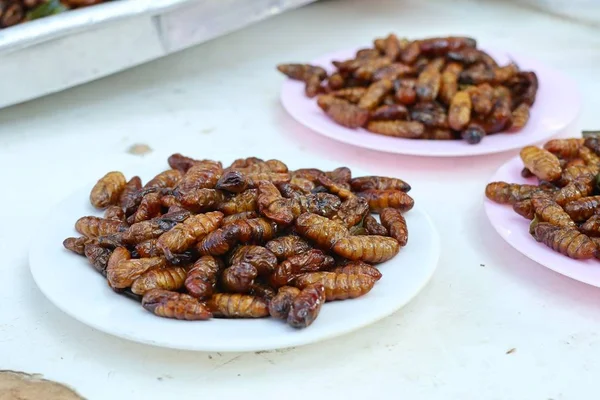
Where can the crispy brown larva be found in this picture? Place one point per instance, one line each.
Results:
(393, 87)
(254, 238)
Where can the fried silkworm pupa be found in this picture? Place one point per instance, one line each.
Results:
(520, 117)
(459, 113)
(403, 129)
(201, 280)
(393, 71)
(410, 54)
(181, 163)
(567, 241)
(131, 187)
(242, 202)
(380, 199)
(347, 114)
(202, 175)
(93, 226)
(336, 188)
(589, 157)
(352, 211)
(233, 182)
(449, 81)
(429, 80)
(97, 256)
(430, 115)
(591, 227)
(363, 183)
(375, 94)
(261, 258)
(167, 304)
(313, 86)
(524, 208)
(368, 67)
(324, 204)
(564, 148)
(571, 173)
(337, 286)
(285, 247)
(541, 163)
(201, 200)
(239, 278)
(395, 223)
(405, 91)
(372, 249)
(353, 94)
(482, 97)
(146, 230)
(309, 261)
(170, 278)
(389, 112)
(473, 134)
(324, 232)
(372, 227)
(306, 306)
(340, 175)
(280, 305)
(122, 273)
(272, 205)
(509, 193)
(583, 208)
(235, 305)
(262, 290)
(441, 46)
(302, 72)
(548, 211)
(107, 191)
(392, 46)
(239, 216)
(336, 82)
(580, 187)
(114, 213)
(358, 268)
(77, 245)
(149, 207)
(148, 248)
(166, 179)
(220, 241)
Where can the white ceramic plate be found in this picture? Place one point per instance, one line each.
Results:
(76, 288)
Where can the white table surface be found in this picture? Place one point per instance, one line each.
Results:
(450, 343)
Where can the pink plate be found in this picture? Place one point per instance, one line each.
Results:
(515, 230)
(557, 105)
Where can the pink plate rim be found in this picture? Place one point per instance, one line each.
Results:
(558, 105)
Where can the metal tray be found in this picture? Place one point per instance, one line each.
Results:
(54, 53)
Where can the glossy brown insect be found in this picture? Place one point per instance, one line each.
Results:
(372, 249)
(541, 163)
(380, 199)
(93, 226)
(201, 200)
(170, 278)
(580, 187)
(77, 245)
(520, 117)
(358, 268)
(353, 94)
(114, 213)
(583, 208)
(338, 286)
(146, 230)
(256, 231)
(220, 241)
(302, 72)
(372, 227)
(324, 204)
(393, 71)
(375, 93)
(235, 305)
(239, 216)
(131, 187)
(449, 81)
(336, 188)
(280, 305)
(181, 163)
(184, 235)
(243, 202)
(574, 172)
(285, 247)
(429, 81)
(403, 129)
(306, 306)
(149, 207)
(352, 211)
(167, 304)
(364, 183)
(201, 175)
(549, 211)
(482, 98)
(148, 248)
(233, 182)
(323, 231)
(107, 191)
(308, 261)
(564, 148)
(201, 279)
(259, 257)
(459, 113)
(97, 256)
(591, 227)
(509, 193)
(274, 206)
(393, 220)
(590, 158)
(347, 114)
(166, 179)
(438, 46)
(239, 277)
(567, 241)
(368, 67)
(123, 273)
(389, 112)
(524, 208)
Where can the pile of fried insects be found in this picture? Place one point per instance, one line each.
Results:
(565, 204)
(247, 241)
(437, 88)
(14, 12)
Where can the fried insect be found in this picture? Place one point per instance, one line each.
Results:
(459, 113)
(482, 98)
(358, 268)
(308, 261)
(77, 245)
(107, 191)
(235, 305)
(590, 158)
(449, 81)
(347, 114)
(564, 148)
(149, 207)
(403, 129)
(167, 304)
(380, 199)
(438, 46)
(429, 81)
(352, 211)
(364, 183)
(166, 179)
(591, 227)
(375, 93)
(509, 193)
(341, 175)
(393, 220)
(302, 72)
(239, 278)
(93, 226)
(239, 216)
(393, 71)
(220, 241)
(259, 257)
(567, 241)
(201, 175)
(233, 182)
(201, 200)
(580, 187)
(473, 134)
(520, 117)
(97, 256)
(324, 232)
(285, 247)
(372, 249)
(257, 230)
(541, 163)
(372, 227)
(306, 306)
(368, 67)
(337, 286)
(170, 278)
(583, 208)
(324, 204)
(335, 187)
(280, 305)
(524, 208)
(123, 273)
(184, 235)
(389, 113)
(272, 205)
(201, 280)
(549, 211)
(131, 187)
(148, 248)
(313, 86)
(263, 290)
(243, 202)
(181, 163)
(114, 213)
(574, 172)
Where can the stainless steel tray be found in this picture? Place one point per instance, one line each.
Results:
(52, 54)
